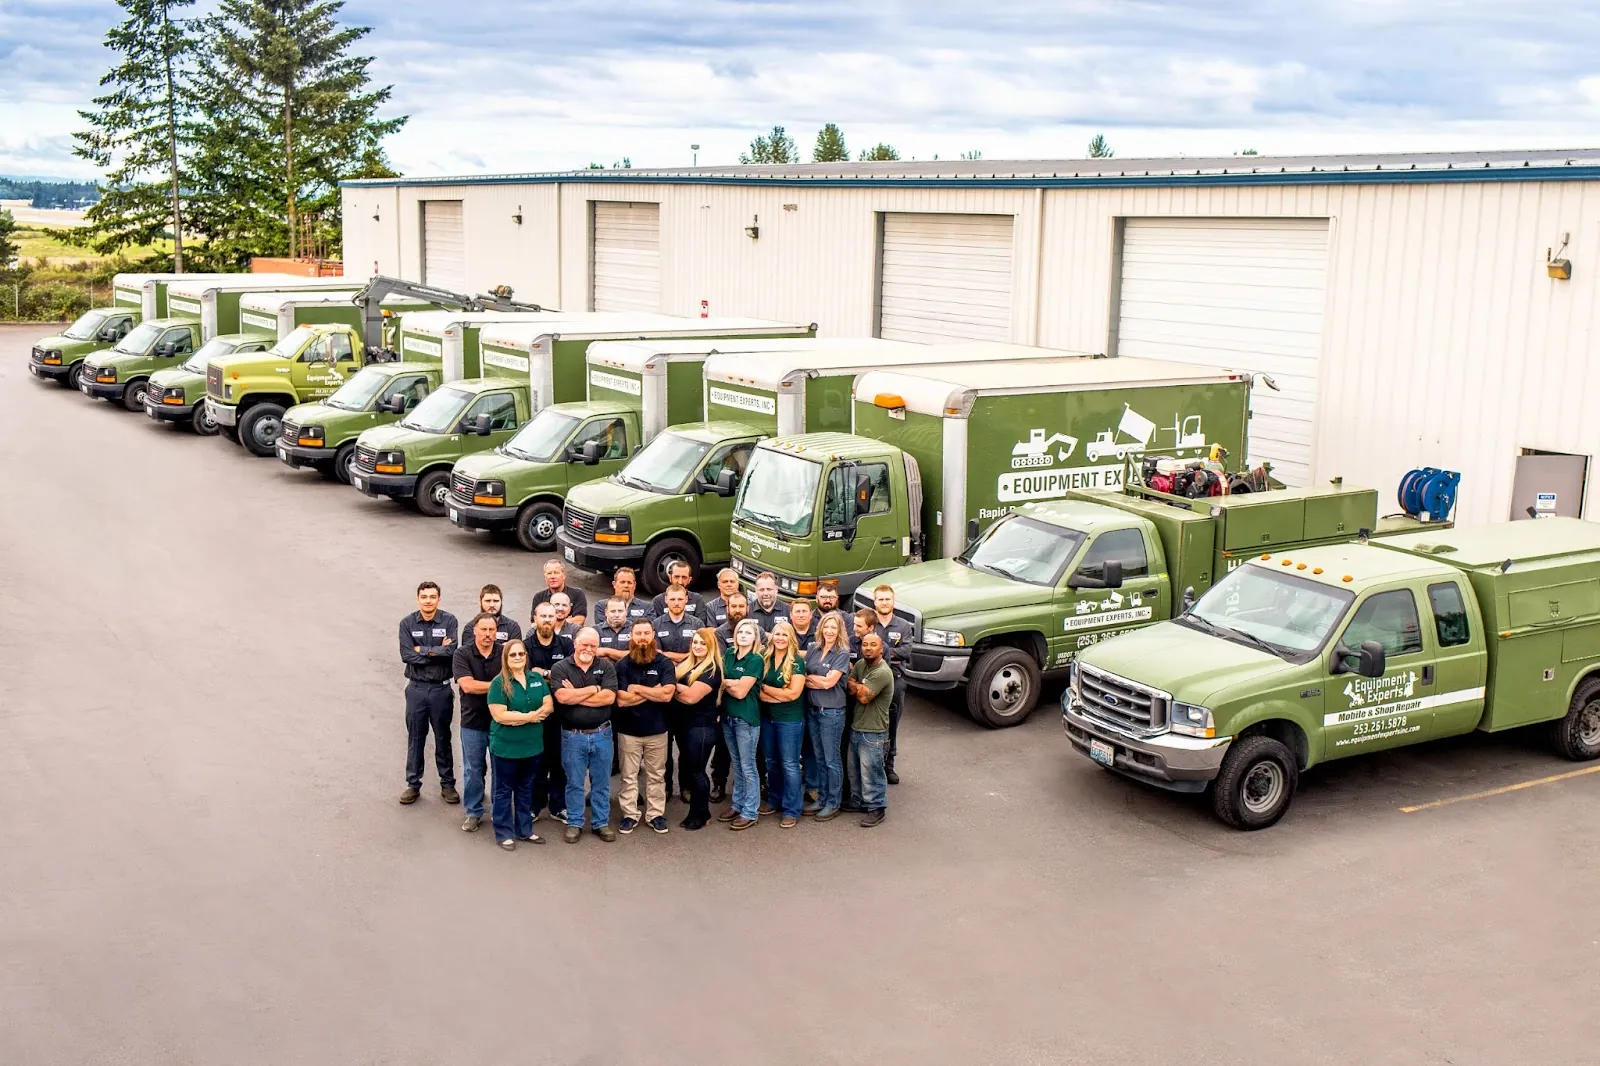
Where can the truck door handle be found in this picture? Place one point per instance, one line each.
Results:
(1152, 592)
(885, 540)
(1427, 675)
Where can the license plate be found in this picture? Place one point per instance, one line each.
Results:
(283, 453)
(359, 484)
(83, 387)
(455, 515)
(571, 555)
(1102, 753)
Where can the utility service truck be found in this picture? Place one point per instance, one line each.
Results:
(214, 302)
(276, 314)
(122, 372)
(936, 454)
(178, 395)
(59, 357)
(247, 394)
(147, 293)
(1300, 657)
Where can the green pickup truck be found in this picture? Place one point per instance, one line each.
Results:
(247, 394)
(178, 395)
(1301, 657)
(122, 372)
(59, 358)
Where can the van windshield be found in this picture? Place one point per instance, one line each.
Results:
(439, 413)
(289, 345)
(215, 348)
(664, 463)
(540, 440)
(87, 325)
(1024, 549)
(779, 492)
(142, 337)
(1291, 616)
(355, 394)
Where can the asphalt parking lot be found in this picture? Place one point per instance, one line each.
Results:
(202, 859)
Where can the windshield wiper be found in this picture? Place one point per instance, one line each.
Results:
(1003, 572)
(767, 521)
(1192, 619)
(1255, 641)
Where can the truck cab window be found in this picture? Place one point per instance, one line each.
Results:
(611, 433)
(836, 505)
(734, 457)
(1124, 545)
(316, 351)
(414, 389)
(182, 343)
(339, 345)
(1390, 618)
(1449, 614)
(501, 407)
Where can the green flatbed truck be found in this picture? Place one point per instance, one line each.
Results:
(59, 357)
(247, 394)
(1298, 658)
(214, 301)
(178, 395)
(122, 372)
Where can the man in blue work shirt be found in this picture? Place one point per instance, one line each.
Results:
(427, 644)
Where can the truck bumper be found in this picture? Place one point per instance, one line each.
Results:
(1170, 761)
(394, 486)
(935, 667)
(95, 390)
(464, 514)
(297, 456)
(48, 371)
(602, 558)
(167, 412)
(223, 414)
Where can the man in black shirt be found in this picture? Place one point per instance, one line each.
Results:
(716, 612)
(489, 602)
(623, 587)
(546, 648)
(427, 644)
(679, 574)
(738, 610)
(585, 690)
(896, 635)
(767, 608)
(827, 596)
(555, 580)
(645, 687)
(675, 629)
(802, 619)
(474, 665)
(613, 632)
(566, 625)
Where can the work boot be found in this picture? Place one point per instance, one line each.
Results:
(471, 823)
(888, 772)
(449, 794)
(410, 795)
(572, 834)
(606, 833)
(873, 818)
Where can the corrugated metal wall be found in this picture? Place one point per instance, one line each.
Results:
(1444, 343)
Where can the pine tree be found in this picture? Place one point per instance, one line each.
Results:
(879, 153)
(136, 132)
(1100, 148)
(830, 147)
(8, 244)
(776, 147)
(291, 114)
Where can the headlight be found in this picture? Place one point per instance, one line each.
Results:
(390, 462)
(105, 374)
(311, 435)
(489, 493)
(227, 392)
(613, 530)
(790, 585)
(943, 638)
(53, 355)
(1192, 720)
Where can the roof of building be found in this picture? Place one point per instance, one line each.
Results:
(622, 325)
(1540, 165)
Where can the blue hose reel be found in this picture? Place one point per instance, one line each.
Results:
(1429, 491)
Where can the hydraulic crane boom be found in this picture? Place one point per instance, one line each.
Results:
(370, 300)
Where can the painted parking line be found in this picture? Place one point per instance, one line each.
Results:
(1519, 786)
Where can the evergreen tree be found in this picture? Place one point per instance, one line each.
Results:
(830, 147)
(1100, 148)
(8, 243)
(776, 147)
(291, 113)
(879, 153)
(137, 130)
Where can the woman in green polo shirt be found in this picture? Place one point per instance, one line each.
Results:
(783, 721)
(741, 722)
(519, 700)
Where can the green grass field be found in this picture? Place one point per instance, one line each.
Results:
(35, 244)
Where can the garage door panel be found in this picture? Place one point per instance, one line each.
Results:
(444, 258)
(945, 277)
(1246, 294)
(626, 248)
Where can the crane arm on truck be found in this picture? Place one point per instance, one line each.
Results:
(380, 288)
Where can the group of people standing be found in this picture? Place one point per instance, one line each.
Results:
(795, 704)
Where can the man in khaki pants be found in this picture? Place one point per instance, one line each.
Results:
(645, 686)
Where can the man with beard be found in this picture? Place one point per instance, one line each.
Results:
(646, 685)
(738, 611)
(679, 574)
(716, 612)
(624, 587)
(565, 624)
(827, 597)
(475, 665)
(490, 600)
(675, 630)
(546, 648)
(767, 608)
(585, 689)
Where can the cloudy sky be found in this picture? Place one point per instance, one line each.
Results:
(509, 85)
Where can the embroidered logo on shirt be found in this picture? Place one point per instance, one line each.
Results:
(440, 632)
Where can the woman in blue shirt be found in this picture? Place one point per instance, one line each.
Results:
(827, 665)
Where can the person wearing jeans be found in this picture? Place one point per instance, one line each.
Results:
(871, 686)
(475, 665)
(699, 681)
(741, 707)
(783, 724)
(827, 666)
(427, 646)
(519, 702)
(646, 683)
(585, 690)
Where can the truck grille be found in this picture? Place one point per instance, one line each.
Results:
(290, 433)
(366, 458)
(580, 524)
(214, 381)
(1120, 703)
(462, 485)
(38, 355)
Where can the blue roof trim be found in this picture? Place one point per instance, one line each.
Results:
(1097, 181)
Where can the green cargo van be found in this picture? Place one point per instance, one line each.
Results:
(322, 435)
(59, 358)
(178, 395)
(276, 314)
(214, 302)
(247, 394)
(120, 373)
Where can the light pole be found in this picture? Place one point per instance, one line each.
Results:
(695, 148)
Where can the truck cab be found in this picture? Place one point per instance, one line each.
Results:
(178, 394)
(122, 372)
(673, 502)
(322, 435)
(522, 485)
(411, 459)
(59, 357)
(247, 395)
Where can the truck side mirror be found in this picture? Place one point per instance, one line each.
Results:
(972, 530)
(483, 425)
(1107, 575)
(727, 481)
(108, 334)
(863, 495)
(591, 453)
(396, 404)
(1112, 574)
(1188, 598)
(1371, 659)
(166, 348)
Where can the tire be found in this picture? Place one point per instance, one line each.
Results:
(1577, 735)
(662, 554)
(344, 460)
(133, 395)
(230, 432)
(1003, 688)
(1256, 784)
(259, 427)
(536, 526)
(203, 424)
(432, 489)
(74, 377)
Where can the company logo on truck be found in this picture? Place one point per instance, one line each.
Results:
(1361, 691)
(264, 321)
(423, 347)
(519, 363)
(615, 383)
(1115, 609)
(743, 401)
(1036, 475)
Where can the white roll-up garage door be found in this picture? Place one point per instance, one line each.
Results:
(945, 277)
(1246, 294)
(444, 248)
(626, 249)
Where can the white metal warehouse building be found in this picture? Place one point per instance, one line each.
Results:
(1403, 304)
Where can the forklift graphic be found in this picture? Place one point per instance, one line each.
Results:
(1035, 451)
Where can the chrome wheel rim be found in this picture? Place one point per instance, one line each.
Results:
(1263, 787)
(267, 431)
(1008, 690)
(1589, 726)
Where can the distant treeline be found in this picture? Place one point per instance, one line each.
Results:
(49, 193)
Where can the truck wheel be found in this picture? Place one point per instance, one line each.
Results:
(1577, 736)
(259, 428)
(203, 424)
(1003, 688)
(344, 461)
(230, 432)
(536, 526)
(433, 488)
(1256, 784)
(661, 557)
(133, 394)
(74, 377)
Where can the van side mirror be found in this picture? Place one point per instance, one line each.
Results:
(591, 453)
(727, 481)
(109, 334)
(396, 404)
(167, 348)
(1370, 659)
(483, 425)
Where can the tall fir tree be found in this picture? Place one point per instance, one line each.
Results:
(291, 113)
(8, 242)
(879, 153)
(1100, 148)
(136, 133)
(830, 147)
(776, 147)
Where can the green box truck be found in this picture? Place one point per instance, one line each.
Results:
(664, 509)
(964, 443)
(178, 395)
(214, 302)
(276, 314)
(59, 358)
(247, 394)
(147, 293)
(120, 373)
(1301, 657)
(454, 338)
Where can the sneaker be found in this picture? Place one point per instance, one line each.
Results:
(728, 815)
(572, 834)
(410, 795)
(789, 821)
(449, 794)
(509, 845)
(536, 815)
(827, 814)
(766, 809)
(741, 823)
(606, 833)
(873, 818)
(719, 793)
(893, 778)
(534, 838)
(561, 815)
(659, 824)
(471, 823)
(628, 825)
